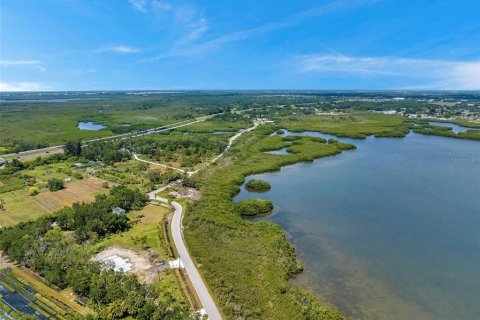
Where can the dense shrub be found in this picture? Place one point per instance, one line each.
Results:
(258, 185)
(55, 184)
(252, 207)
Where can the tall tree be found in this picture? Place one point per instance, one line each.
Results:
(73, 148)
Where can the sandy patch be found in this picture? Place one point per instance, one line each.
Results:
(146, 270)
(147, 118)
(190, 193)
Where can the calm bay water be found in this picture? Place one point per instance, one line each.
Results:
(388, 231)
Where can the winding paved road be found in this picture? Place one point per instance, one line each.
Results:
(207, 301)
(203, 294)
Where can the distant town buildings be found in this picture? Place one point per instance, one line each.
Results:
(265, 121)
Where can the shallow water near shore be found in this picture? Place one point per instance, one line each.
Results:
(390, 230)
(455, 127)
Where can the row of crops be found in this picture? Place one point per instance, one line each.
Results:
(18, 296)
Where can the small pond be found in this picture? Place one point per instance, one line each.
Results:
(89, 125)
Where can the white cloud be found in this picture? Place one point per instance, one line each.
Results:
(28, 63)
(285, 22)
(22, 86)
(432, 74)
(81, 72)
(160, 8)
(197, 29)
(119, 49)
(139, 5)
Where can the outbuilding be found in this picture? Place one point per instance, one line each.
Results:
(119, 211)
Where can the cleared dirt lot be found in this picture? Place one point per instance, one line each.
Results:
(141, 265)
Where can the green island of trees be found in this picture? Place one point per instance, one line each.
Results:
(257, 185)
(252, 207)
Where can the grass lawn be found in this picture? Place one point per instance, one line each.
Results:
(147, 224)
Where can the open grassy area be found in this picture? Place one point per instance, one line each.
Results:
(131, 173)
(145, 231)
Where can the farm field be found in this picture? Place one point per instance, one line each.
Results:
(22, 291)
(20, 206)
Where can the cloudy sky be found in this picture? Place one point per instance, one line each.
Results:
(248, 44)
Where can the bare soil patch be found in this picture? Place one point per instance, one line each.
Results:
(145, 269)
(190, 193)
(78, 191)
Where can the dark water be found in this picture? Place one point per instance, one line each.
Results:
(388, 231)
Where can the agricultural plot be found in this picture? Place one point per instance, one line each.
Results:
(17, 295)
(78, 191)
(20, 206)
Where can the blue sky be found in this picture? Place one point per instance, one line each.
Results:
(267, 44)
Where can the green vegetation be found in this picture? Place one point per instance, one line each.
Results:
(92, 220)
(108, 152)
(246, 264)
(252, 207)
(45, 128)
(249, 271)
(17, 282)
(46, 245)
(148, 231)
(73, 148)
(257, 185)
(178, 150)
(227, 122)
(447, 132)
(55, 184)
(17, 175)
(351, 125)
